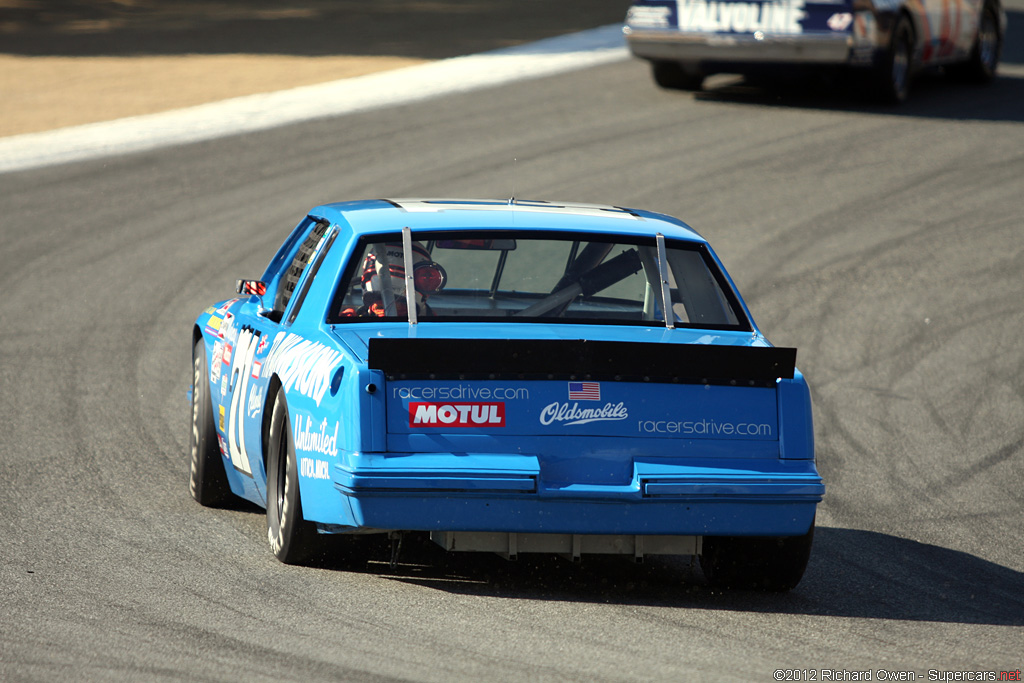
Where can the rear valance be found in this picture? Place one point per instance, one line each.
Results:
(578, 359)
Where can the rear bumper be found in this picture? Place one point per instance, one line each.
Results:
(506, 493)
(693, 48)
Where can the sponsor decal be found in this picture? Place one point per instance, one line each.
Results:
(314, 469)
(572, 414)
(220, 423)
(584, 391)
(227, 327)
(218, 357)
(307, 438)
(223, 446)
(704, 428)
(303, 366)
(217, 317)
(461, 392)
(228, 348)
(241, 356)
(840, 21)
(257, 367)
(456, 414)
(223, 385)
(779, 16)
(255, 401)
(648, 17)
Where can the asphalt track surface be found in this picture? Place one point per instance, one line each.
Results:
(886, 244)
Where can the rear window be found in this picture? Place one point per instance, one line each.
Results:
(534, 277)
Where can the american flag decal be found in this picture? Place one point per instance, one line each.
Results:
(584, 391)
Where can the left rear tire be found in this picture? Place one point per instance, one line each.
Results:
(208, 482)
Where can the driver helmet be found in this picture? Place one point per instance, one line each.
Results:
(428, 277)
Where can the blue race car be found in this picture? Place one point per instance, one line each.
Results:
(503, 376)
(884, 41)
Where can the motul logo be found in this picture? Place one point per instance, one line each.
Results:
(456, 414)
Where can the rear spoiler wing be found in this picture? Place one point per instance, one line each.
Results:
(580, 359)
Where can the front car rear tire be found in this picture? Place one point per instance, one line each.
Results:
(988, 47)
(674, 76)
(892, 77)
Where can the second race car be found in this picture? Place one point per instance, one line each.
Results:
(882, 41)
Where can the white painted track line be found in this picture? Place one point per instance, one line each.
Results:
(261, 112)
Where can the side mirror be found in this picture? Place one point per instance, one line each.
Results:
(258, 289)
(251, 287)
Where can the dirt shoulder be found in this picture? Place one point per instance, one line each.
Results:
(68, 62)
(43, 93)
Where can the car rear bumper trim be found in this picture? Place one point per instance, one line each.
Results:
(691, 47)
(765, 498)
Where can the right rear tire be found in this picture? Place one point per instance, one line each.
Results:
(756, 563)
(292, 538)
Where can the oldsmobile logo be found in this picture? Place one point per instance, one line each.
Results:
(572, 414)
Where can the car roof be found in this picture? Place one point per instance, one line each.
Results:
(390, 215)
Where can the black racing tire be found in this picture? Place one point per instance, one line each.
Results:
(985, 55)
(674, 76)
(773, 564)
(891, 78)
(292, 538)
(208, 481)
